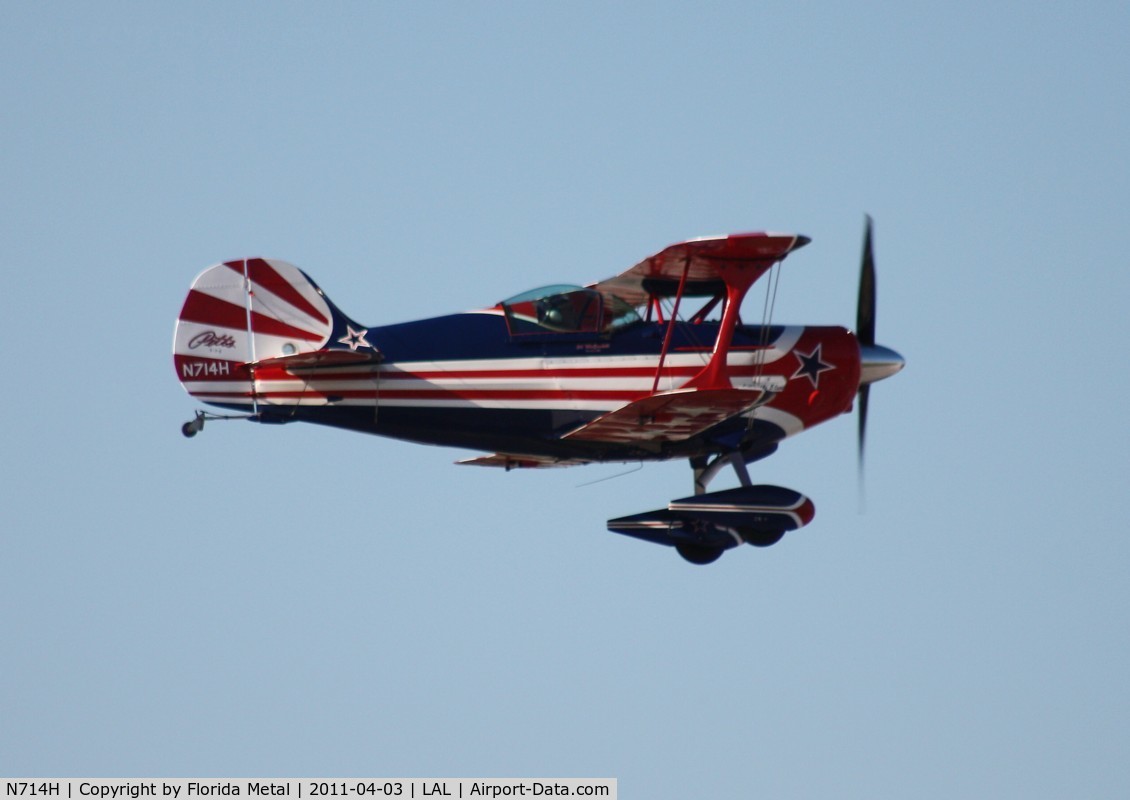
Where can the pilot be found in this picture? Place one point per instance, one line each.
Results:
(551, 311)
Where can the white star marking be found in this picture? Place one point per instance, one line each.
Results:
(354, 338)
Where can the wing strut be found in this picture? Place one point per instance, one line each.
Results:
(671, 323)
(738, 277)
(247, 294)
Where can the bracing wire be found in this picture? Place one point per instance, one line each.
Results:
(768, 307)
(639, 466)
(767, 315)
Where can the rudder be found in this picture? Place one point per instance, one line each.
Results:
(240, 313)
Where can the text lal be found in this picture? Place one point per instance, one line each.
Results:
(484, 789)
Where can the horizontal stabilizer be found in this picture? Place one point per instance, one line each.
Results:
(669, 416)
(323, 359)
(509, 461)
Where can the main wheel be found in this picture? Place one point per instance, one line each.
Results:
(699, 553)
(189, 429)
(762, 538)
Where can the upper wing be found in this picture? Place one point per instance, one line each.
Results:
(700, 258)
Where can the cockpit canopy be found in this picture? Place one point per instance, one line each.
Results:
(564, 308)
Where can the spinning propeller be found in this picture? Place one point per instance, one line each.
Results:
(876, 362)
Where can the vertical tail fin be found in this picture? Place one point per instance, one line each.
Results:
(241, 313)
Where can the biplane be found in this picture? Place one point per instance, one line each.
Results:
(653, 364)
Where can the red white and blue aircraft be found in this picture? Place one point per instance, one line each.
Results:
(558, 376)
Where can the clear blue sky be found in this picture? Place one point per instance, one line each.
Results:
(300, 601)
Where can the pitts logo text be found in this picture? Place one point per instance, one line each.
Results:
(211, 339)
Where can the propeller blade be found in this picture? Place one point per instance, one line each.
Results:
(864, 394)
(865, 311)
(875, 361)
(865, 329)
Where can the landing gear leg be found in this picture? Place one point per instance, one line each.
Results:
(706, 470)
(738, 464)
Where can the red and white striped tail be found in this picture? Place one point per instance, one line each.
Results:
(242, 312)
